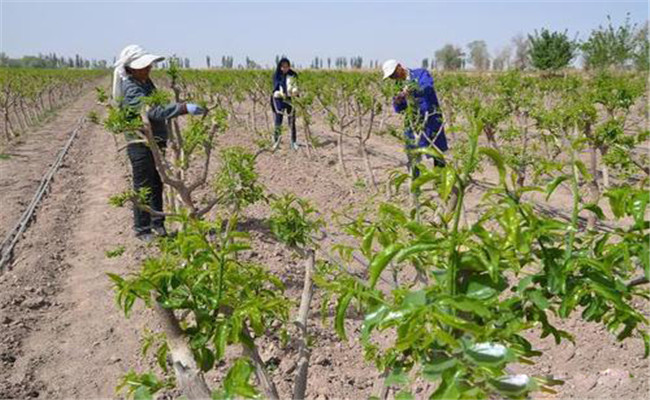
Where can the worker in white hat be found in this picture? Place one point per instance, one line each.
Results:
(131, 83)
(419, 91)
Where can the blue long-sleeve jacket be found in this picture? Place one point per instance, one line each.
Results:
(429, 108)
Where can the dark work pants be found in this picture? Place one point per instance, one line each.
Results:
(280, 106)
(145, 175)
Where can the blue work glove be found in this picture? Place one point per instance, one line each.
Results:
(195, 109)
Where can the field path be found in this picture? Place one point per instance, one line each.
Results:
(63, 336)
(27, 159)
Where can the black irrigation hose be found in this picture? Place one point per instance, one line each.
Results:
(13, 236)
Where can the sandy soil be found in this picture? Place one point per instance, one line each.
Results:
(63, 336)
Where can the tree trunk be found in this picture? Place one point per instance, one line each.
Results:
(265, 381)
(6, 125)
(26, 115)
(42, 104)
(9, 132)
(603, 153)
(339, 145)
(489, 132)
(309, 141)
(521, 176)
(266, 120)
(300, 386)
(384, 389)
(189, 378)
(21, 119)
(254, 117)
(521, 173)
(366, 160)
(593, 186)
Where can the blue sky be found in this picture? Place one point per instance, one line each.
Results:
(408, 31)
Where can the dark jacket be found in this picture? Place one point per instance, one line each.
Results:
(134, 91)
(280, 79)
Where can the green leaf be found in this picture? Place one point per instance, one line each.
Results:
(395, 212)
(142, 393)
(415, 299)
(513, 385)
(412, 250)
(645, 259)
(583, 170)
(220, 341)
(434, 369)
(638, 206)
(497, 160)
(161, 356)
(481, 287)
(397, 377)
(594, 209)
(205, 359)
(404, 395)
(341, 310)
(381, 260)
(550, 188)
(424, 178)
(430, 151)
(458, 323)
(447, 183)
(538, 299)
(366, 245)
(372, 319)
(490, 354)
(448, 388)
(237, 382)
(524, 283)
(617, 198)
(467, 305)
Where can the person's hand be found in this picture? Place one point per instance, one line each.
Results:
(195, 109)
(278, 94)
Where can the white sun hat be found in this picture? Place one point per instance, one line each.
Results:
(389, 67)
(132, 56)
(144, 61)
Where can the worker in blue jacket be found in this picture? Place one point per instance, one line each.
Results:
(429, 128)
(284, 87)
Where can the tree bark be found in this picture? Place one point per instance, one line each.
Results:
(366, 160)
(593, 186)
(189, 377)
(603, 153)
(265, 381)
(300, 386)
(339, 145)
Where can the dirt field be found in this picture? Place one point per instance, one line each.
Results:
(63, 337)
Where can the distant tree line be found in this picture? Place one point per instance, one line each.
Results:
(608, 46)
(52, 61)
(619, 47)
